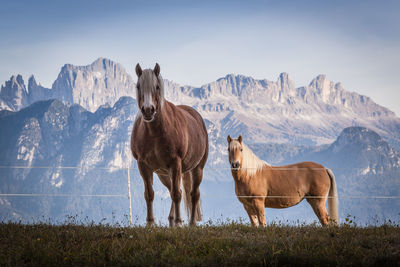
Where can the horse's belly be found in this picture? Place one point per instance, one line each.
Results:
(166, 171)
(193, 157)
(162, 171)
(189, 165)
(281, 202)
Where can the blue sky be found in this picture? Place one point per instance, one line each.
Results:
(195, 42)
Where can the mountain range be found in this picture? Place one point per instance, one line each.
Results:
(263, 110)
(85, 121)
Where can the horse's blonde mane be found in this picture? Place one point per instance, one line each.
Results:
(250, 162)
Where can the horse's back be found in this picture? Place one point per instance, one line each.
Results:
(302, 172)
(303, 165)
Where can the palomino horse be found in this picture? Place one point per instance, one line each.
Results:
(171, 141)
(259, 185)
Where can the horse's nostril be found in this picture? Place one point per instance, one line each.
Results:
(142, 109)
(152, 109)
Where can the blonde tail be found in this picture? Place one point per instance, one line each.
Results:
(333, 203)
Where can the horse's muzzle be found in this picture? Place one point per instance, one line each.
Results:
(235, 165)
(148, 113)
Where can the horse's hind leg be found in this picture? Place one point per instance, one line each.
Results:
(197, 176)
(147, 176)
(318, 205)
(167, 182)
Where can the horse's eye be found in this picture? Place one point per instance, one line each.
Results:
(241, 149)
(158, 87)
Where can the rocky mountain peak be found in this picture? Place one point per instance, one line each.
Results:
(14, 94)
(100, 60)
(237, 81)
(319, 81)
(284, 82)
(230, 85)
(104, 63)
(322, 89)
(359, 135)
(102, 82)
(16, 83)
(366, 149)
(321, 84)
(37, 92)
(100, 64)
(18, 79)
(339, 86)
(284, 76)
(32, 82)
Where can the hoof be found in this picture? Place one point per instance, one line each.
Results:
(192, 223)
(178, 223)
(150, 223)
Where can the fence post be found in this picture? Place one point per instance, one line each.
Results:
(130, 199)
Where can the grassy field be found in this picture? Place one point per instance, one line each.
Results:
(229, 244)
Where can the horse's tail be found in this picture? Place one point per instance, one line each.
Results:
(333, 203)
(187, 198)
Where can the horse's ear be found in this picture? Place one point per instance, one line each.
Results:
(229, 138)
(157, 70)
(138, 70)
(240, 139)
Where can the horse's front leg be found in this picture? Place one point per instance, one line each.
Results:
(252, 214)
(176, 192)
(166, 180)
(147, 175)
(259, 206)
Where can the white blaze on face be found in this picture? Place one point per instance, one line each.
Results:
(147, 98)
(147, 86)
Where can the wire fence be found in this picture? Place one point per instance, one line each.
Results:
(129, 196)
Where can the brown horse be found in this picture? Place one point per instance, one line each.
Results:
(259, 185)
(171, 141)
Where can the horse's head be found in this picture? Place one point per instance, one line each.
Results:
(235, 150)
(149, 91)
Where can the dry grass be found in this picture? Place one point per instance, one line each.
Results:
(229, 244)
